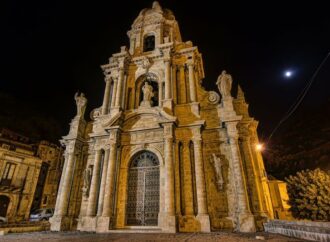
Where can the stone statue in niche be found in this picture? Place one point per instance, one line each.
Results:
(87, 181)
(217, 165)
(81, 102)
(224, 84)
(147, 95)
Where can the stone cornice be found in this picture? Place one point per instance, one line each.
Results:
(198, 123)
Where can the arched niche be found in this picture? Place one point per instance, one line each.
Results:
(153, 81)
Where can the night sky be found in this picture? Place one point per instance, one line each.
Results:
(51, 49)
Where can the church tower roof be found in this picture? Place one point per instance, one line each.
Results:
(157, 22)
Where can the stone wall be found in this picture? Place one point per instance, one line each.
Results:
(315, 231)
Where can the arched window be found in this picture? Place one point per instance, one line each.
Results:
(149, 43)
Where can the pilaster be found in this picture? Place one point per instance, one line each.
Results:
(202, 215)
(170, 219)
(106, 221)
(243, 220)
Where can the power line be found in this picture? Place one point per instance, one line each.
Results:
(299, 99)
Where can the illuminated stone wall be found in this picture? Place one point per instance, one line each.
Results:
(211, 175)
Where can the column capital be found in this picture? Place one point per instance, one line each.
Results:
(167, 60)
(196, 133)
(232, 129)
(181, 66)
(106, 147)
(121, 68)
(190, 63)
(197, 141)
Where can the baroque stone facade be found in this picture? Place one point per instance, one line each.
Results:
(162, 152)
(29, 175)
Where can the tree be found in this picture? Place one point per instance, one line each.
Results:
(309, 195)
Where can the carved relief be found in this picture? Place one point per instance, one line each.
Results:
(217, 165)
(142, 122)
(87, 181)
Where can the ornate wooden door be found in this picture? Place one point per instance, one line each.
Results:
(142, 206)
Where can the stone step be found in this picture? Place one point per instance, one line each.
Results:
(137, 229)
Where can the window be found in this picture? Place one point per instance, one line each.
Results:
(8, 174)
(149, 43)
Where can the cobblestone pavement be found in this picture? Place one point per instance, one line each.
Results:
(130, 237)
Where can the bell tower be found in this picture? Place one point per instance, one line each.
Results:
(152, 28)
(156, 55)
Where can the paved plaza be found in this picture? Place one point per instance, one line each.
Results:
(136, 237)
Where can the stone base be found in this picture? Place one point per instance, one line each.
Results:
(246, 223)
(168, 105)
(194, 107)
(60, 223)
(103, 224)
(188, 224)
(87, 224)
(145, 104)
(169, 224)
(204, 220)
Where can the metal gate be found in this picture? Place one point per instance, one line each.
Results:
(142, 206)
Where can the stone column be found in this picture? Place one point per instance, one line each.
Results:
(182, 87)
(103, 180)
(114, 92)
(169, 181)
(192, 87)
(104, 222)
(187, 182)
(170, 219)
(202, 214)
(244, 216)
(167, 78)
(109, 187)
(119, 87)
(62, 207)
(174, 84)
(105, 105)
(94, 189)
(160, 93)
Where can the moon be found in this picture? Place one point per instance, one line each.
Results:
(288, 74)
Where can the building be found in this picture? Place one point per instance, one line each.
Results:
(280, 198)
(29, 175)
(161, 152)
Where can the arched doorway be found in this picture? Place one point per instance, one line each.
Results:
(4, 202)
(142, 205)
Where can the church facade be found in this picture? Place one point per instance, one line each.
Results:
(162, 153)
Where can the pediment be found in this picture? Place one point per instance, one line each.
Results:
(110, 120)
(148, 118)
